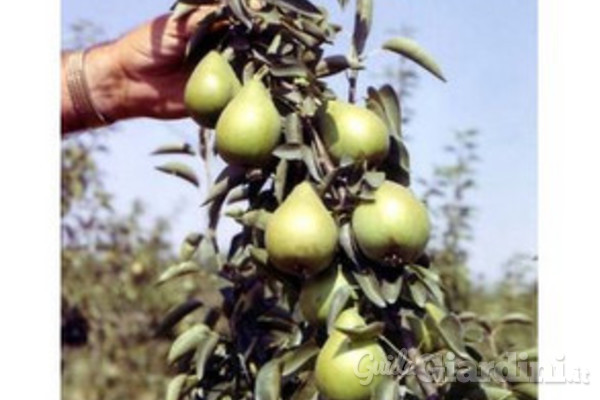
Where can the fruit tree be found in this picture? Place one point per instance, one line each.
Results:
(327, 280)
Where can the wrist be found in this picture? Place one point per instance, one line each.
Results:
(105, 82)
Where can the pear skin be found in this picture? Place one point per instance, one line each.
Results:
(340, 358)
(209, 89)
(249, 128)
(301, 236)
(353, 132)
(395, 224)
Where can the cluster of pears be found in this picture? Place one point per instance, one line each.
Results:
(246, 122)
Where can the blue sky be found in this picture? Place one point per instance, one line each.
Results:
(488, 52)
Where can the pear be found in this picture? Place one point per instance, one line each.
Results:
(318, 293)
(350, 131)
(210, 87)
(301, 236)
(249, 128)
(395, 225)
(340, 359)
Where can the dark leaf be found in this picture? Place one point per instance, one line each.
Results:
(238, 10)
(179, 148)
(333, 65)
(177, 314)
(181, 171)
(362, 24)
(307, 391)
(411, 50)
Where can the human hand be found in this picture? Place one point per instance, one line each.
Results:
(142, 74)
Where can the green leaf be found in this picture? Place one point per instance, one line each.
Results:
(413, 51)
(229, 178)
(204, 350)
(299, 6)
(370, 287)
(190, 245)
(362, 24)
(516, 318)
(177, 270)
(177, 314)
(297, 358)
(280, 180)
(391, 105)
(255, 218)
(188, 341)
(289, 151)
(178, 387)
(387, 389)
(497, 393)
(181, 171)
(292, 128)
(367, 332)
(338, 302)
(391, 288)
(176, 148)
(418, 292)
(268, 381)
(526, 391)
(451, 331)
(374, 178)
(181, 9)
(347, 243)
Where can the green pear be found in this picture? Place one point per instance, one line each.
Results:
(301, 236)
(396, 224)
(318, 292)
(353, 132)
(210, 87)
(249, 128)
(340, 359)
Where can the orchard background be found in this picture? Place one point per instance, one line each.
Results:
(122, 220)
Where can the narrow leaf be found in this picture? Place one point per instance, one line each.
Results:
(187, 341)
(367, 332)
(297, 358)
(181, 171)
(177, 314)
(413, 51)
(516, 318)
(362, 24)
(203, 352)
(190, 245)
(177, 270)
(268, 381)
(370, 287)
(176, 148)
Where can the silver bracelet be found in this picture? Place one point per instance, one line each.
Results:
(79, 92)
